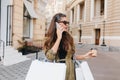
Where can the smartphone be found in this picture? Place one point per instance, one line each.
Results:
(57, 25)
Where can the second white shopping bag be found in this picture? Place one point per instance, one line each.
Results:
(83, 71)
(46, 71)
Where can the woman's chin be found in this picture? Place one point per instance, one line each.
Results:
(65, 30)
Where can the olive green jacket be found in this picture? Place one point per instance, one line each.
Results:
(70, 73)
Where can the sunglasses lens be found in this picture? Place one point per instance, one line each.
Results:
(65, 22)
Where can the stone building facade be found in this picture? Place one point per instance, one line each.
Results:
(95, 21)
(53, 7)
(22, 19)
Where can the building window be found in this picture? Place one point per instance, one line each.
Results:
(72, 14)
(81, 5)
(99, 7)
(102, 7)
(26, 24)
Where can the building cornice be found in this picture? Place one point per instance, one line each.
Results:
(70, 3)
(73, 3)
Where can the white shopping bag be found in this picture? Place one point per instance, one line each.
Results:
(46, 71)
(83, 71)
(79, 74)
(86, 71)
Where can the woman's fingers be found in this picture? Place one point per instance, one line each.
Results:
(92, 53)
(62, 29)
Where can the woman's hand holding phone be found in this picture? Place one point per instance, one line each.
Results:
(60, 30)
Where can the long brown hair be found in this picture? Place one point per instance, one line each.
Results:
(66, 40)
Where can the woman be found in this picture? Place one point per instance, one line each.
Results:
(59, 45)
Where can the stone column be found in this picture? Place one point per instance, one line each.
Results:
(92, 10)
(78, 13)
(105, 10)
(85, 8)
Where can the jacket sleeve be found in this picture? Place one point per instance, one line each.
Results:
(50, 54)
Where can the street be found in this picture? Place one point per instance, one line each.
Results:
(105, 66)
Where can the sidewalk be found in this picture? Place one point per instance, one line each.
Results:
(14, 72)
(17, 71)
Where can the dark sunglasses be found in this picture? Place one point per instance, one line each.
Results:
(64, 22)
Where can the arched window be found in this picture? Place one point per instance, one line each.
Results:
(26, 23)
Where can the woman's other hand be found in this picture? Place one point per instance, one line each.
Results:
(91, 53)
